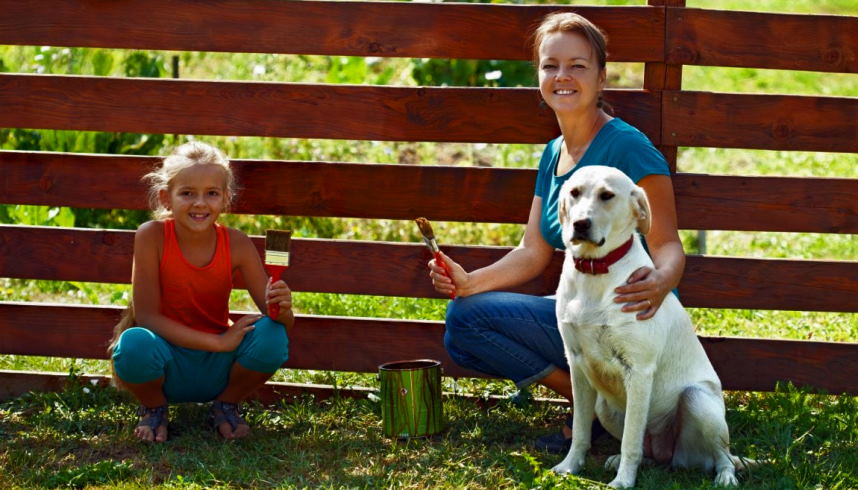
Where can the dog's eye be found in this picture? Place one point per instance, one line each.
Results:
(575, 193)
(606, 196)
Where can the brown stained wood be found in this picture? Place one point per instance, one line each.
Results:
(387, 191)
(75, 180)
(668, 3)
(313, 27)
(326, 343)
(68, 254)
(804, 204)
(329, 343)
(659, 76)
(56, 330)
(495, 195)
(770, 284)
(17, 383)
(281, 187)
(762, 40)
(487, 115)
(399, 269)
(758, 364)
(772, 122)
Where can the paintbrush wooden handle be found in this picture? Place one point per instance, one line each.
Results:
(276, 272)
(440, 261)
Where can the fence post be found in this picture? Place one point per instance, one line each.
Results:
(659, 77)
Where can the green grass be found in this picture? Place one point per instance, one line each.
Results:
(81, 437)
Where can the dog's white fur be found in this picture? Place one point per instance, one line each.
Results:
(649, 381)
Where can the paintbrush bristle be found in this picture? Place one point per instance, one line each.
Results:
(425, 228)
(277, 247)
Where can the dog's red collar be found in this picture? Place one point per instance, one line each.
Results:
(600, 266)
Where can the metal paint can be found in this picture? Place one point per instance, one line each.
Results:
(411, 404)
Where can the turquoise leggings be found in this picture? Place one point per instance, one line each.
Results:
(194, 375)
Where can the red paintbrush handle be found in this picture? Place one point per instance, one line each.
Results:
(440, 261)
(275, 271)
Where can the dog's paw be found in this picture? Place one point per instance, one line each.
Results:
(613, 462)
(621, 483)
(568, 467)
(726, 478)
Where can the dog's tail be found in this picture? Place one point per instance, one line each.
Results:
(744, 464)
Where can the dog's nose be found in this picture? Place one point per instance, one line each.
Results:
(582, 225)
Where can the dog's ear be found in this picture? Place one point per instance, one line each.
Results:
(562, 211)
(640, 209)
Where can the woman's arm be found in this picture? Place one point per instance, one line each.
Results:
(246, 259)
(647, 288)
(146, 294)
(520, 265)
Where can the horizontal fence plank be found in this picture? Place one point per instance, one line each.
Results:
(762, 40)
(488, 115)
(788, 204)
(328, 343)
(362, 112)
(768, 122)
(758, 364)
(15, 383)
(416, 30)
(495, 195)
(399, 269)
(770, 284)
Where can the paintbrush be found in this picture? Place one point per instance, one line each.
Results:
(276, 260)
(429, 237)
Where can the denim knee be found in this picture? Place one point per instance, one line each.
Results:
(459, 325)
(457, 321)
(504, 334)
(140, 356)
(265, 348)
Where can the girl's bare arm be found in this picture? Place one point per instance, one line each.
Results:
(246, 259)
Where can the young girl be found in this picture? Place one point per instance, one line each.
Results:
(184, 348)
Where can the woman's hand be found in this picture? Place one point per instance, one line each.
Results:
(644, 292)
(230, 340)
(647, 287)
(443, 283)
(279, 293)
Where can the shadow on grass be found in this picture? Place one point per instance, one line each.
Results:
(82, 437)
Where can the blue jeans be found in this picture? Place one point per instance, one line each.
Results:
(503, 334)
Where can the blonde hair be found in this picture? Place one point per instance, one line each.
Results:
(185, 156)
(125, 322)
(570, 22)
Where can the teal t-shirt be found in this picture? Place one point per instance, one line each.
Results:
(618, 145)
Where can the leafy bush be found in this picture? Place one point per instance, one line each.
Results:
(473, 73)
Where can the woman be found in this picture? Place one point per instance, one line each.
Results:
(515, 335)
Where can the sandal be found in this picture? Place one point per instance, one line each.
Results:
(558, 443)
(152, 418)
(221, 412)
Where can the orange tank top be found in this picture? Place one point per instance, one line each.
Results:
(197, 297)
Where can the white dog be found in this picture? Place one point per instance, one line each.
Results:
(649, 381)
